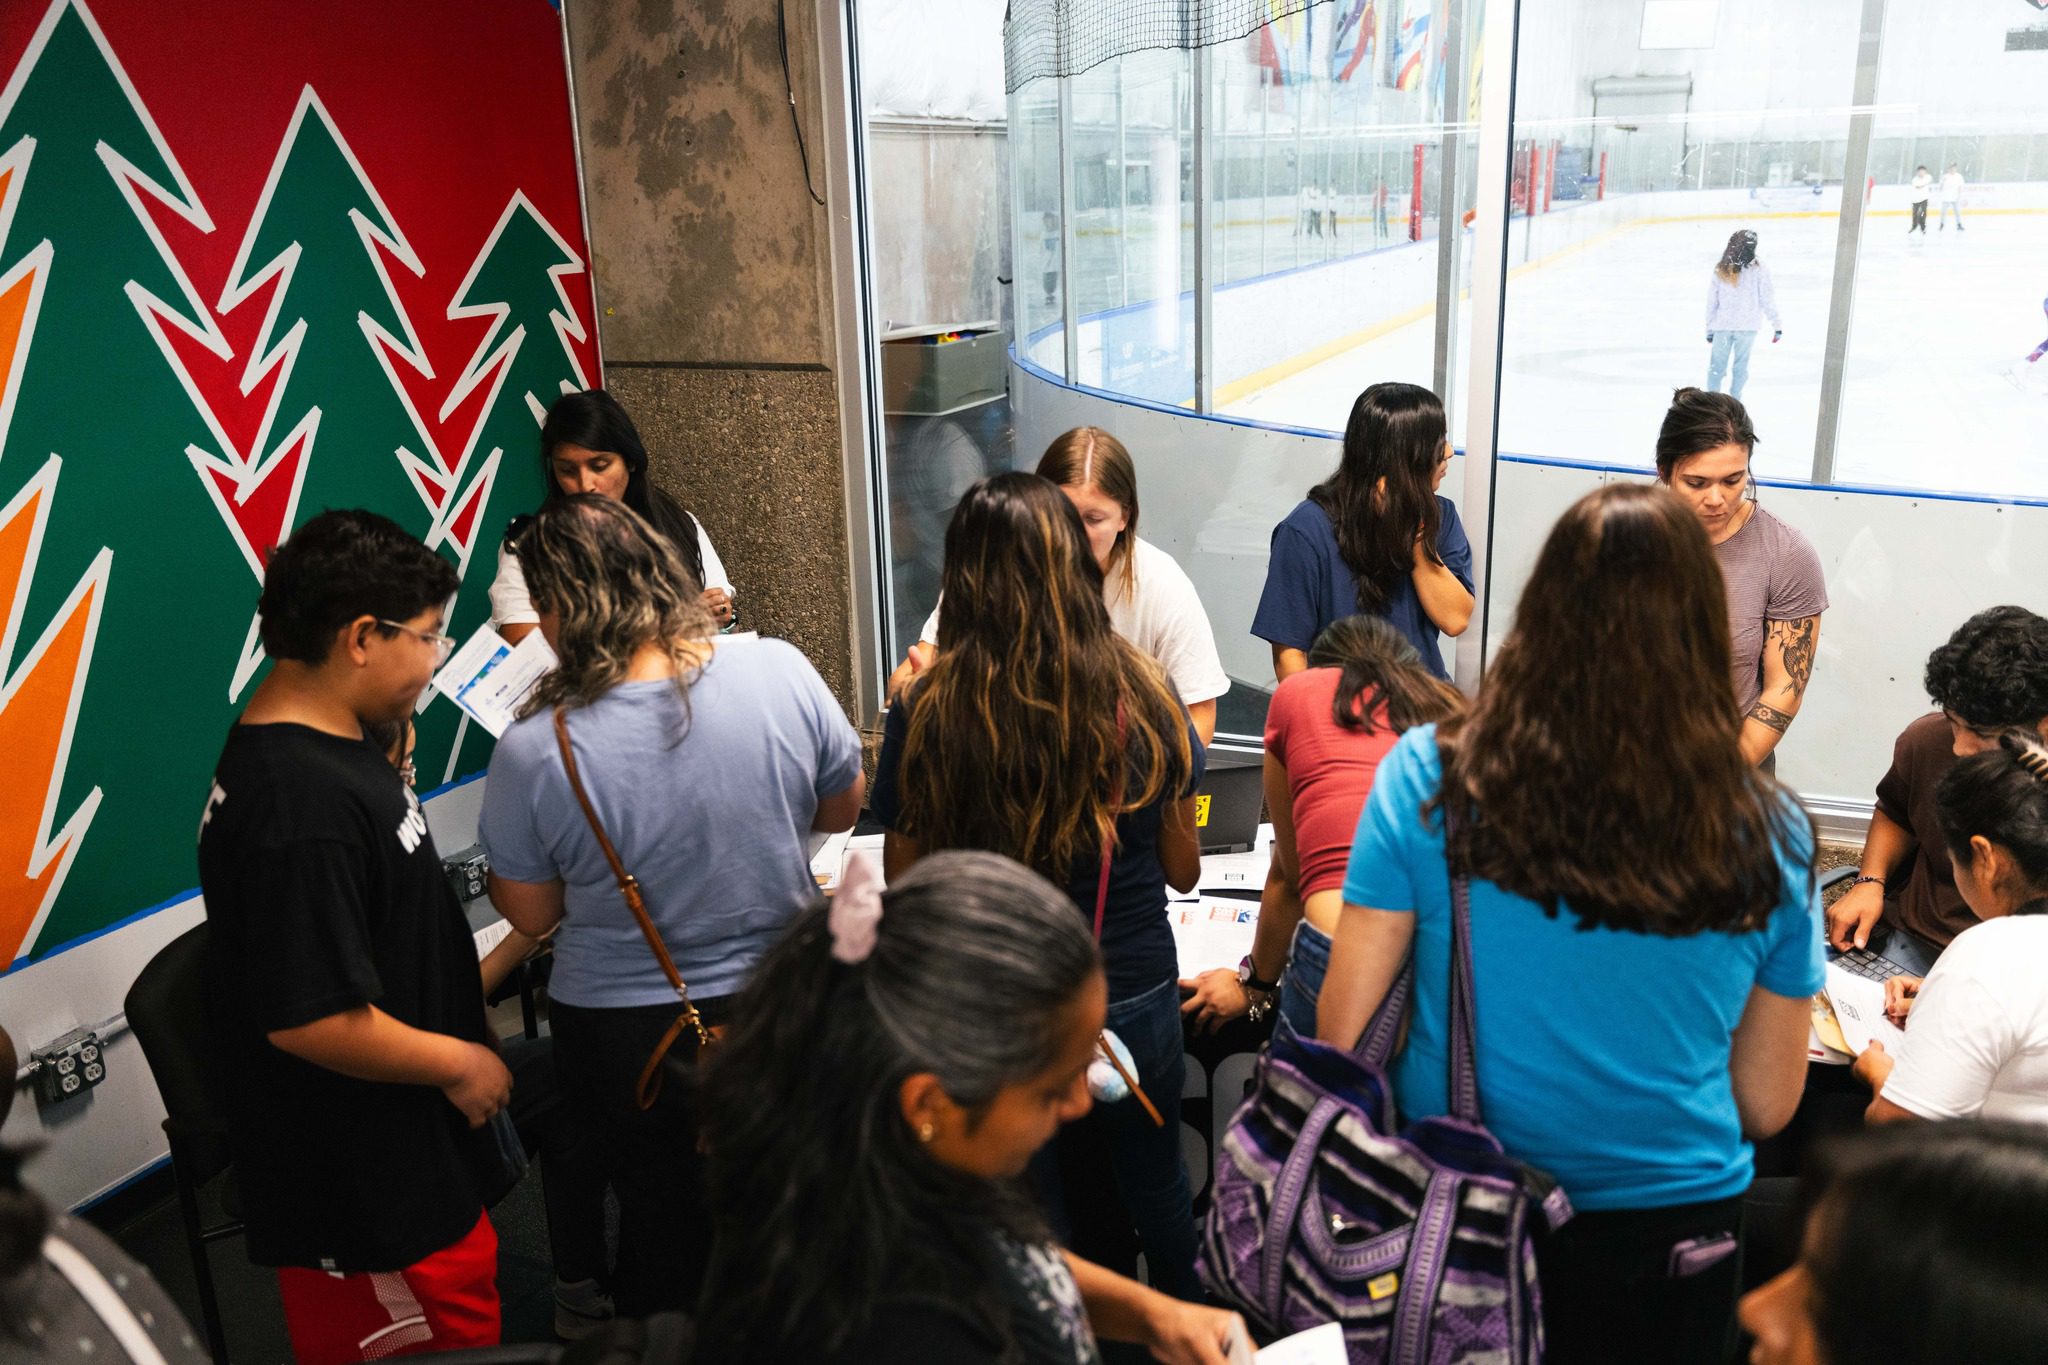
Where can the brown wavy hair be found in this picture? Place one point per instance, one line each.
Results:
(615, 585)
(1396, 433)
(1600, 768)
(1380, 667)
(1092, 458)
(1015, 744)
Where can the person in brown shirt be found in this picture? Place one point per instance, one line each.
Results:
(1776, 589)
(1991, 676)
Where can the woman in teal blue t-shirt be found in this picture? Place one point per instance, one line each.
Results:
(1645, 929)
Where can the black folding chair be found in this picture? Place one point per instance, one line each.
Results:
(167, 1011)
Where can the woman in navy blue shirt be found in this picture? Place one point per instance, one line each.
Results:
(1374, 537)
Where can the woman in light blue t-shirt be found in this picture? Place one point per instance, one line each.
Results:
(1645, 931)
(708, 762)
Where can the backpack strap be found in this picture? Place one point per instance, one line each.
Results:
(105, 1302)
(1376, 1045)
(1464, 1039)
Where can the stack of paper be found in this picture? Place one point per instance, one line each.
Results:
(828, 858)
(490, 936)
(1824, 1041)
(1210, 932)
(1859, 1007)
(1322, 1345)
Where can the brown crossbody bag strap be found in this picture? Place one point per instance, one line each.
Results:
(649, 1088)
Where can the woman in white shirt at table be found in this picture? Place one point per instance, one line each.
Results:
(589, 445)
(1152, 603)
(1976, 1039)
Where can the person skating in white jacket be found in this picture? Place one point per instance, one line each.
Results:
(1952, 196)
(1740, 297)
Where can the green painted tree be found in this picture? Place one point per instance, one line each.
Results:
(323, 241)
(321, 229)
(96, 389)
(524, 360)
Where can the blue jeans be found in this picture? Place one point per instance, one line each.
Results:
(1729, 346)
(1308, 962)
(1150, 1175)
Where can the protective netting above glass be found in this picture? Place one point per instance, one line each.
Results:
(1067, 37)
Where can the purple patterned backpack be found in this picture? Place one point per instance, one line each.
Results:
(1418, 1239)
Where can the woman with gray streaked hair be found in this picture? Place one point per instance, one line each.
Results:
(707, 762)
(897, 1061)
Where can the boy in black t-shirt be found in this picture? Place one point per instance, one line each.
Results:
(345, 979)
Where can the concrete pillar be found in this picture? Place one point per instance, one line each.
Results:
(712, 268)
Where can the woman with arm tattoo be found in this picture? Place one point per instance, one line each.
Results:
(1776, 590)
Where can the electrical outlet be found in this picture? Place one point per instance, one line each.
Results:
(468, 872)
(70, 1066)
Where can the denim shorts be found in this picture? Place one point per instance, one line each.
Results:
(1308, 962)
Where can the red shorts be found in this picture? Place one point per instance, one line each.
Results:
(447, 1302)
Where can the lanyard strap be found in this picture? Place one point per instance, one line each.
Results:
(1116, 800)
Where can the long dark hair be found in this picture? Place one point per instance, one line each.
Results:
(822, 1198)
(1396, 433)
(1035, 712)
(1738, 256)
(1380, 667)
(1599, 769)
(1699, 421)
(594, 420)
(1092, 458)
(1950, 1219)
(2002, 794)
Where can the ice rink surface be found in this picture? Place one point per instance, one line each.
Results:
(1937, 394)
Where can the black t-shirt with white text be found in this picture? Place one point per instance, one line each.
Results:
(323, 893)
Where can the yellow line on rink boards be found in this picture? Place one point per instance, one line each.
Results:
(1237, 390)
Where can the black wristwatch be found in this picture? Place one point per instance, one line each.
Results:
(1248, 977)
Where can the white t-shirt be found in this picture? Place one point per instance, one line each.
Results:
(1163, 616)
(512, 606)
(1952, 187)
(1922, 183)
(1977, 1037)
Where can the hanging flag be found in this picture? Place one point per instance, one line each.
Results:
(1293, 39)
(1414, 49)
(1356, 37)
(1270, 70)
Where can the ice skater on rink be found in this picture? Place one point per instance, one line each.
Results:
(1740, 297)
(1922, 187)
(1951, 197)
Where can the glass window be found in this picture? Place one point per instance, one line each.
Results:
(1327, 135)
(1634, 167)
(1035, 174)
(1134, 225)
(1938, 391)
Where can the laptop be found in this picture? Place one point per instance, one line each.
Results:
(1230, 800)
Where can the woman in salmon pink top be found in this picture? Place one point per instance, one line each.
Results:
(1326, 731)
